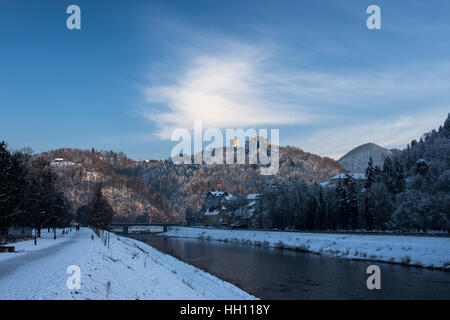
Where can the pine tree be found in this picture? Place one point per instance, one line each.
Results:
(389, 174)
(323, 221)
(99, 213)
(370, 174)
(399, 182)
(12, 187)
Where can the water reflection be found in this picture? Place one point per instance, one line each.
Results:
(271, 273)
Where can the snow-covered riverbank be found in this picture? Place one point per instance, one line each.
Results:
(411, 250)
(128, 269)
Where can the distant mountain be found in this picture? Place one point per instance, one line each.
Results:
(133, 200)
(356, 160)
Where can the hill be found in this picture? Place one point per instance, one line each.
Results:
(132, 199)
(186, 185)
(356, 160)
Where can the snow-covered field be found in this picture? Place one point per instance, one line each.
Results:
(128, 269)
(431, 252)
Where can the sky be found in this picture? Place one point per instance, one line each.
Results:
(138, 70)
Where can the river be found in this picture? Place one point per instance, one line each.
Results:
(272, 273)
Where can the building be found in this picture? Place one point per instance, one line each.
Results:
(221, 212)
(360, 179)
(60, 162)
(234, 143)
(215, 204)
(213, 199)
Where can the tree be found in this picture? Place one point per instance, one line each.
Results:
(399, 177)
(43, 198)
(13, 186)
(99, 213)
(348, 202)
(388, 174)
(370, 174)
(380, 205)
(422, 167)
(323, 217)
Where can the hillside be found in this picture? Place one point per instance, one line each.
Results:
(131, 198)
(186, 185)
(356, 160)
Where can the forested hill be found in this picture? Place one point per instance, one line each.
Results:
(434, 148)
(131, 198)
(356, 159)
(186, 185)
(425, 200)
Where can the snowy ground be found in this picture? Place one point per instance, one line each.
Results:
(128, 269)
(430, 252)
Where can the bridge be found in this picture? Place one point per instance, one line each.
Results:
(126, 225)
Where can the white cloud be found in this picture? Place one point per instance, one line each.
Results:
(241, 88)
(223, 93)
(365, 88)
(392, 133)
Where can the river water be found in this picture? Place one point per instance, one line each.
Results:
(272, 273)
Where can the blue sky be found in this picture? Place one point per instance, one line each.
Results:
(137, 70)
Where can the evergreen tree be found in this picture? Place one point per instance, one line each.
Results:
(13, 186)
(389, 174)
(99, 213)
(323, 221)
(348, 202)
(370, 174)
(399, 177)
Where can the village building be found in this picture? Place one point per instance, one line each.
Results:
(360, 179)
(60, 162)
(220, 211)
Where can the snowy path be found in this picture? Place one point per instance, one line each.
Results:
(15, 263)
(129, 269)
(41, 274)
(431, 252)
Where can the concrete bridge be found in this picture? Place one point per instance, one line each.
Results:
(125, 226)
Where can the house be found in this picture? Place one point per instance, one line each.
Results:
(60, 162)
(239, 213)
(215, 198)
(215, 204)
(360, 179)
(211, 218)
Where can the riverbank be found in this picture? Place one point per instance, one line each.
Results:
(429, 252)
(127, 269)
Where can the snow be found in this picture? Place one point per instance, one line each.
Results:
(62, 163)
(143, 229)
(217, 193)
(128, 269)
(229, 197)
(211, 213)
(251, 204)
(433, 252)
(46, 240)
(253, 196)
(354, 175)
